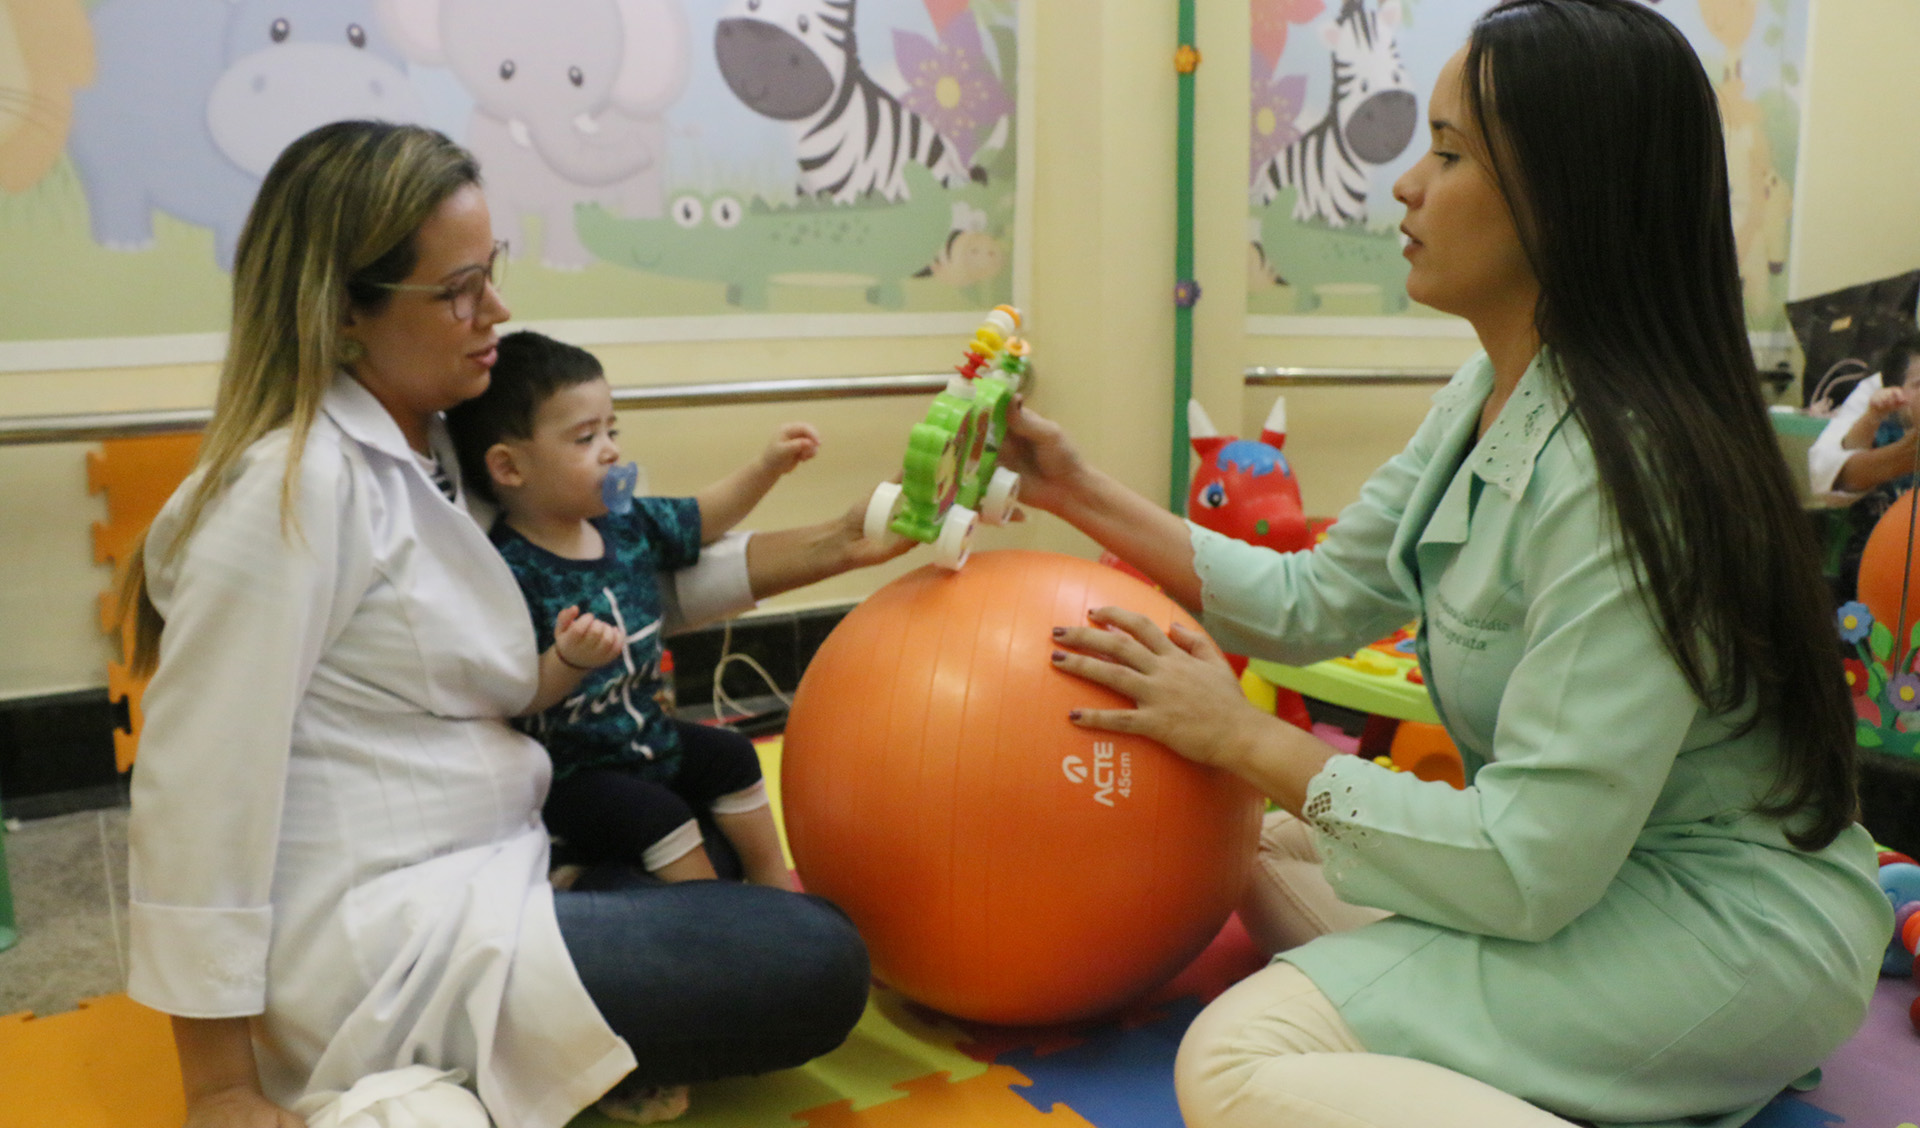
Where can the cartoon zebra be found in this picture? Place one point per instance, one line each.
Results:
(1370, 121)
(797, 61)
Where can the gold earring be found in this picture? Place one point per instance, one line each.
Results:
(351, 351)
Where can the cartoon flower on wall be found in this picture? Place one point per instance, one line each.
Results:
(951, 83)
(1904, 693)
(1270, 21)
(1855, 621)
(1883, 679)
(1276, 105)
(945, 12)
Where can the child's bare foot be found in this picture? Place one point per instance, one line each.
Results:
(646, 1104)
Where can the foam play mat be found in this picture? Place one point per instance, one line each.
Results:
(110, 1064)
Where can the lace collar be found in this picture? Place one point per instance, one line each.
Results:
(1505, 456)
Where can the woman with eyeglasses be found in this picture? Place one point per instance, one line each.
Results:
(337, 861)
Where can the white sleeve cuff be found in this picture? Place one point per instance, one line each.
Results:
(714, 587)
(199, 963)
(1825, 455)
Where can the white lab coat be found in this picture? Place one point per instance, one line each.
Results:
(333, 828)
(1825, 455)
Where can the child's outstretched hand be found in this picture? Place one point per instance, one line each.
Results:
(584, 642)
(1886, 401)
(794, 444)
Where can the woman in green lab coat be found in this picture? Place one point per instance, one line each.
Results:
(1651, 904)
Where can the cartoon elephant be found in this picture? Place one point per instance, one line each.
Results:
(568, 103)
(197, 97)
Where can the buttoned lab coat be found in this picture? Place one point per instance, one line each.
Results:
(1825, 455)
(333, 826)
(1600, 923)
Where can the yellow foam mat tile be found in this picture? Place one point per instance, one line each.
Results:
(890, 1048)
(108, 1064)
(769, 749)
(986, 1101)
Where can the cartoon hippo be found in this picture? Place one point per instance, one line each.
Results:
(197, 97)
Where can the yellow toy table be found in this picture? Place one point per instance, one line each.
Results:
(1380, 680)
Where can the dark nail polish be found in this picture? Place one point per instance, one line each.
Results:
(1059, 656)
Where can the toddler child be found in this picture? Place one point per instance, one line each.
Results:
(630, 784)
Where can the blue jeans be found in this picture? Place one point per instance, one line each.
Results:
(709, 979)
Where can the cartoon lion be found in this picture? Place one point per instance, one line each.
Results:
(46, 53)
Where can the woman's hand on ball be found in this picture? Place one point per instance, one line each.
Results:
(1185, 695)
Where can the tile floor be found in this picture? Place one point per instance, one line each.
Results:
(69, 879)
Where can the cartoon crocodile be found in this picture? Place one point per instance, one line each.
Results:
(873, 244)
(1309, 255)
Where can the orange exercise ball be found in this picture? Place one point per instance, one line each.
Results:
(1885, 567)
(1003, 864)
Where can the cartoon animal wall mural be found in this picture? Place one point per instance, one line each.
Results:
(134, 135)
(569, 104)
(46, 52)
(754, 245)
(1370, 118)
(798, 61)
(1762, 198)
(195, 98)
(1335, 99)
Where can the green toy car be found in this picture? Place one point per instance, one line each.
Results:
(951, 480)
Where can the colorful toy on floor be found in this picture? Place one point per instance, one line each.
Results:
(1900, 881)
(951, 480)
(1427, 752)
(1382, 679)
(1003, 864)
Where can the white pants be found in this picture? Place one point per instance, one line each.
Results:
(1272, 1051)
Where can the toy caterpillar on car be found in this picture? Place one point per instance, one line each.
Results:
(951, 480)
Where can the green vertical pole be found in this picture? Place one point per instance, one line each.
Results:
(1186, 290)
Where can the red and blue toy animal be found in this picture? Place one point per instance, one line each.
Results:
(1245, 489)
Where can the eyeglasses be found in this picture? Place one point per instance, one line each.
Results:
(465, 294)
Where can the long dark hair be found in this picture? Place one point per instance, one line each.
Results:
(1605, 135)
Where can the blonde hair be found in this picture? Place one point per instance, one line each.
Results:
(335, 217)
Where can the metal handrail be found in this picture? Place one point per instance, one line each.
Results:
(92, 427)
(1264, 377)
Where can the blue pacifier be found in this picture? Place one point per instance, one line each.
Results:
(616, 489)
